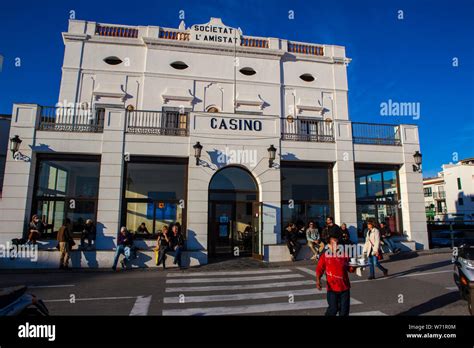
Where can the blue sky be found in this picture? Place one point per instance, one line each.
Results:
(408, 60)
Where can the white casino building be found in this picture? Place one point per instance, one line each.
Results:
(119, 147)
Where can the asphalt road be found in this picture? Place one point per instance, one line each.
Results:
(420, 285)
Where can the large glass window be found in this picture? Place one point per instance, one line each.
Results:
(154, 194)
(66, 187)
(306, 193)
(377, 197)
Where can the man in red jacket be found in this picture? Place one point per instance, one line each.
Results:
(335, 263)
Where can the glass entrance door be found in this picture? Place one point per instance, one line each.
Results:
(222, 228)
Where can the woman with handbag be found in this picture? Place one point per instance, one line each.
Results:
(372, 249)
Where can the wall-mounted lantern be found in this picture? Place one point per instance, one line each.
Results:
(417, 166)
(271, 155)
(197, 151)
(15, 145)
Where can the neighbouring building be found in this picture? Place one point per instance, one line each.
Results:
(122, 146)
(4, 132)
(450, 195)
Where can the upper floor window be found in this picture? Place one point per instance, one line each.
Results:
(178, 65)
(113, 60)
(428, 191)
(247, 71)
(307, 77)
(459, 184)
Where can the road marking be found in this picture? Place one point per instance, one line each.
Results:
(400, 276)
(260, 308)
(141, 306)
(93, 299)
(204, 274)
(306, 270)
(452, 288)
(246, 296)
(241, 287)
(369, 313)
(233, 279)
(49, 286)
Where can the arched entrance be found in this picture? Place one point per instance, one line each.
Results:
(234, 222)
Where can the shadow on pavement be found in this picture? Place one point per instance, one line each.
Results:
(422, 268)
(434, 303)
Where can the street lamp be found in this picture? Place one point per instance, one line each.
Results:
(417, 166)
(197, 151)
(15, 144)
(271, 155)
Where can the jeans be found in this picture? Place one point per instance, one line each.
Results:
(338, 302)
(177, 255)
(121, 249)
(373, 261)
(390, 244)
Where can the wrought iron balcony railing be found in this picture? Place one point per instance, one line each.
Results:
(71, 119)
(157, 122)
(307, 130)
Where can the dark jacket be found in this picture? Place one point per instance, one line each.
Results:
(177, 240)
(126, 240)
(64, 234)
(162, 242)
(291, 236)
(385, 232)
(89, 230)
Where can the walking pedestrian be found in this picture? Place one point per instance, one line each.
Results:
(372, 249)
(177, 243)
(124, 242)
(336, 266)
(291, 236)
(64, 239)
(312, 237)
(162, 246)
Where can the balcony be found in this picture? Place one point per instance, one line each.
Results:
(157, 123)
(307, 130)
(64, 119)
(376, 134)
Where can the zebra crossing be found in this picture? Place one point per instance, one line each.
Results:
(271, 291)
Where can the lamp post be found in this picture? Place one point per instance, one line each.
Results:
(271, 155)
(417, 166)
(15, 145)
(197, 151)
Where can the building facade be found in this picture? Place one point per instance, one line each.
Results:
(450, 195)
(134, 106)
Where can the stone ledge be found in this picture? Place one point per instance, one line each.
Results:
(101, 259)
